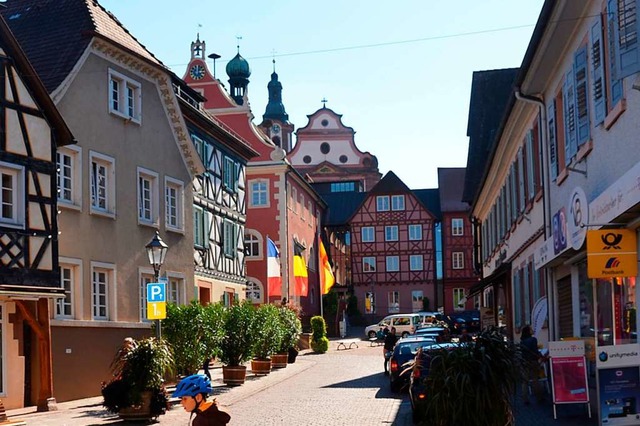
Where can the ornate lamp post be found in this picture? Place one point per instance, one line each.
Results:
(156, 251)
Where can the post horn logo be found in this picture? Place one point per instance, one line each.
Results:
(611, 240)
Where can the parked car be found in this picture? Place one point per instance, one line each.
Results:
(418, 376)
(441, 334)
(428, 317)
(405, 351)
(405, 324)
(462, 319)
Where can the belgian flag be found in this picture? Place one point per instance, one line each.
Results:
(300, 274)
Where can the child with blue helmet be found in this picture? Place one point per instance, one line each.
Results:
(193, 391)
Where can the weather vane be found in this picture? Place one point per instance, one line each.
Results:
(273, 55)
(238, 38)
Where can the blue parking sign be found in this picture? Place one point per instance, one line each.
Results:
(156, 292)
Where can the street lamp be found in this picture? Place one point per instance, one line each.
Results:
(156, 251)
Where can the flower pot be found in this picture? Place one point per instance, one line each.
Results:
(279, 360)
(138, 412)
(259, 366)
(234, 376)
(293, 353)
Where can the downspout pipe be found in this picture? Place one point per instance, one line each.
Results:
(546, 184)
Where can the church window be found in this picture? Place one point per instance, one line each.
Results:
(306, 159)
(325, 148)
(343, 158)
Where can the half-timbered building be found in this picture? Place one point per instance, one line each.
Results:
(281, 204)
(393, 252)
(219, 198)
(129, 176)
(32, 129)
(458, 276)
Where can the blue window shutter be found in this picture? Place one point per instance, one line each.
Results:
(553, 142)
(628, 49)
(569, 107)
(581, 97)
(615, 83)
(597, 71)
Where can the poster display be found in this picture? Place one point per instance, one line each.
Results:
(619, 384)
(569, 379)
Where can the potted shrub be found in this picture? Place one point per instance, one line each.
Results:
(291, 329)
(236, 345)
(473, 384)
(194, 333)
(319, 341)
(137, 390)
(267, 335)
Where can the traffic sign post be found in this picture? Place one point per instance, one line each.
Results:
(157, 303)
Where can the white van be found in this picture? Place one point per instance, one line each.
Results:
(404, 324)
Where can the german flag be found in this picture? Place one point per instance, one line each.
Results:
(300, 274)
(326, 274)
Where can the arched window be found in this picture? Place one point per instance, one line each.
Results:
(254, 292)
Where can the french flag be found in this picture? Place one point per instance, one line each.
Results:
(273, 269)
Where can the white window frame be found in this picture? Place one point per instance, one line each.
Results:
(148, 215)
(17, 202)
(259, 193)
(368, 234)
(174, 224)
(382, 203)
(369, 264)
(253, 239)
(457, 226)
(416, 262)
(73, 199)
(457, 260)
(415, 232)
(391, 233)
(67, 281)
(397, 202)
(458, 295)
(145, 276)
(393, 301)
(392, 263)
(76, 291)
(254, 287)
(176, 288)
(125, 101)
(109, 270)
(109, 164)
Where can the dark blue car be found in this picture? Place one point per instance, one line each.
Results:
(405, 351)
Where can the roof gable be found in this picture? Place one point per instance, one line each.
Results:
(390, 184)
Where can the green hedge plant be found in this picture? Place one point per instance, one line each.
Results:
(237, 344)
(291, 329)
(319, 341)
(267, 332)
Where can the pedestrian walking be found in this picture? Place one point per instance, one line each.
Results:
(193, 391)
(389, 343)
(531, 360)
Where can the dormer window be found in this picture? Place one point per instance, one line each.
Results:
(125, 97)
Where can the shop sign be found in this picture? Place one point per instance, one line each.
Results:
(559, 229)
(618, 198)
(611, 253)
(578, 213)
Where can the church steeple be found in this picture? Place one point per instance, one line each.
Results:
(238, 71)
(275, 107)
(198, 48)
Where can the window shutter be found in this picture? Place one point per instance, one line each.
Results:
(568, 100)
(597, 71)
(628, 50)
(581, 98)
(615, 83)
(205, 230)
(553, 142)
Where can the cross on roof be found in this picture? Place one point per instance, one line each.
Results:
(324, 102)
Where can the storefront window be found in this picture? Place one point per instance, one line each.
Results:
(585, 288)
(616, 311)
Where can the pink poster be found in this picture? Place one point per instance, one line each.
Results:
(569, 379)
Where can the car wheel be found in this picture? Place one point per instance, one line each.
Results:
(372, 334)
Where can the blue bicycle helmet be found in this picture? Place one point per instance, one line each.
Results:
(193, 385)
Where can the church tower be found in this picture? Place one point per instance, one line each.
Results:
(275, 121)
(238, 71)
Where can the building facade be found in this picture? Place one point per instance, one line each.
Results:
(114, 193)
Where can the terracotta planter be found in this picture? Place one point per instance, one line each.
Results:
(234, 376)
(261, 367)
(279, 360)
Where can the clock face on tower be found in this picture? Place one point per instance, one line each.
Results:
(196, 72)
(276, 128)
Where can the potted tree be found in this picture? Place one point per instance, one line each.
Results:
(291, 329)
(237, 344)
(137, 390)
(267, 335)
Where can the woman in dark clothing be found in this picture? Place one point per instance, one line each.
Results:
(389, 343)
(530, 358)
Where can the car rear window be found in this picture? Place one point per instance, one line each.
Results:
(414, 346)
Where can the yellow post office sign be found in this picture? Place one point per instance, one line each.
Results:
(612, 253)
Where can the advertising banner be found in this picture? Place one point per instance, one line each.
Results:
(569, 379)
(619, 384)
(539, 315)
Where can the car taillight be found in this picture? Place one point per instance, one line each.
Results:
(421, 396)
(394, 365)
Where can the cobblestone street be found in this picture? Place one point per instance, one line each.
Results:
(341, 387)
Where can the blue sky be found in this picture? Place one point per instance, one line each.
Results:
(399, 74)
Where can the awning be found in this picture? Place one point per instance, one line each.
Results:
(498, 276)
(31, 293)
